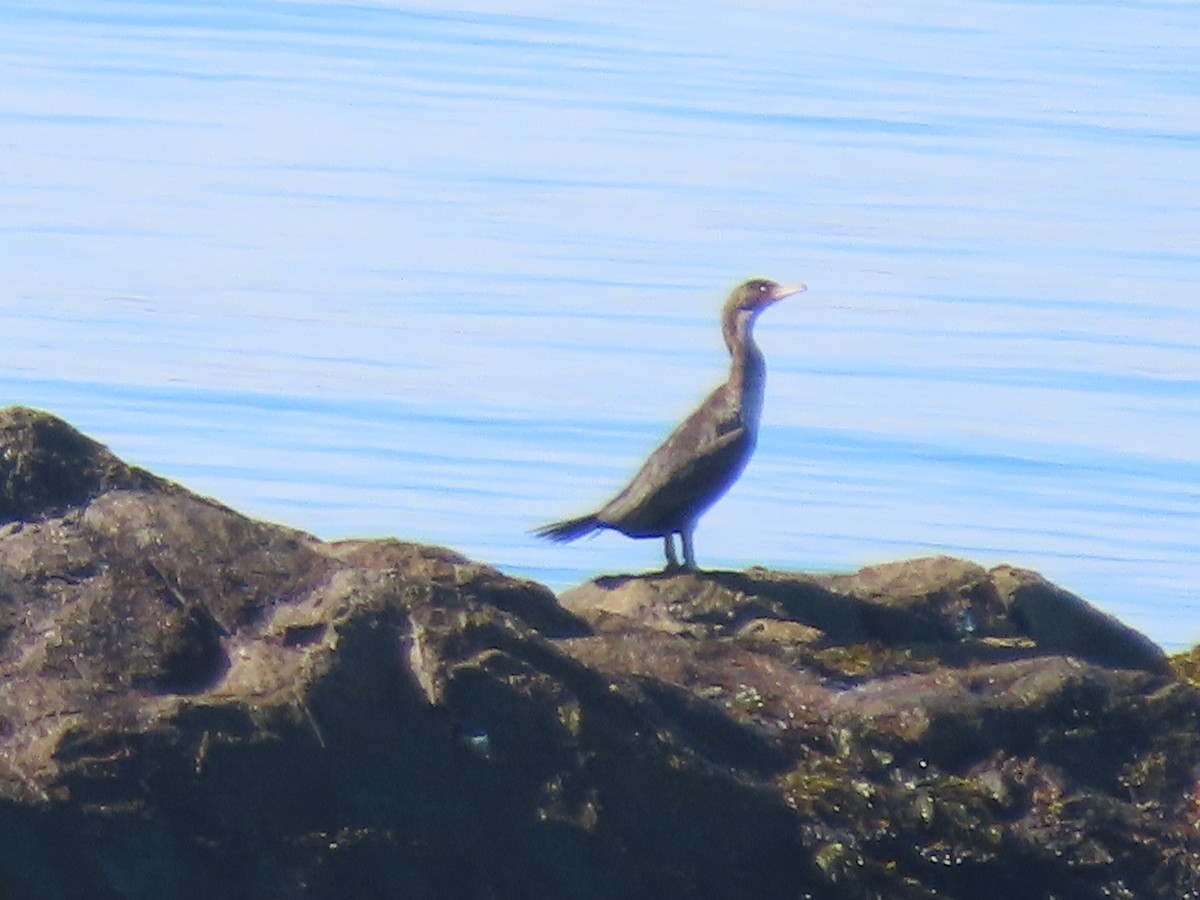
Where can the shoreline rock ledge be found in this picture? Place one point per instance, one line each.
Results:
(196, 704)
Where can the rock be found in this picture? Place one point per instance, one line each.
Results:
(46, 466)
(934, 601)
(197, 704)
(1060, 622)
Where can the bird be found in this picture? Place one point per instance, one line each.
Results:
(704, 455)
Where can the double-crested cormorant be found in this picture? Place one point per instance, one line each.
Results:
(705, 454)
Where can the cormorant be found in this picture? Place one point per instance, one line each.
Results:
(705, 454)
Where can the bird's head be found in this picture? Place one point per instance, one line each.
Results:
(759, 293)
(744, 305)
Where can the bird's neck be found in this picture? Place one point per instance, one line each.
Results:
(748, 369)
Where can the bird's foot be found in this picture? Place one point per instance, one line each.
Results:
(674, 568)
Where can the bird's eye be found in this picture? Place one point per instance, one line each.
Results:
(762, 288)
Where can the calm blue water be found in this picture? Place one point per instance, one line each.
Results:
(393, 269)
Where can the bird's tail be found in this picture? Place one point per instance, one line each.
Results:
(569, 529)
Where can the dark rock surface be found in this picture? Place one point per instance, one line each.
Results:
(200, 705)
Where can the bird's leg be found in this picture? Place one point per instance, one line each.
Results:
(669, 549)
(689, 554)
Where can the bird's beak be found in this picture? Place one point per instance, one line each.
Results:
(781, 292)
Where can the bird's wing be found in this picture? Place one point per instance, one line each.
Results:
(691, 469)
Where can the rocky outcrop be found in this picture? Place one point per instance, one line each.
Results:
(196, 704)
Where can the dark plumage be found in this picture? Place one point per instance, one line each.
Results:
(704, 455)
